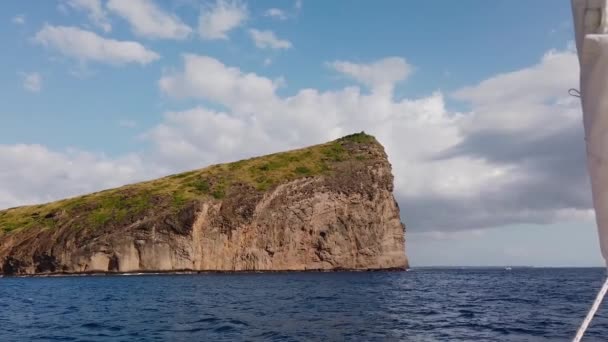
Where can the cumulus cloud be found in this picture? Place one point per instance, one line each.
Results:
(148, 20)
(95, 12)
(87, 46)
(516, 157)
(32, 81)
(379, 75)
(215, 22)
(268, 40)
(311, 116)
(275, 13)
(526, 123)
(19, 19)
(205, 77)
(505, 100)
(35, 174)
(200, 136)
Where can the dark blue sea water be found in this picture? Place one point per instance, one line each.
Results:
(421, 305)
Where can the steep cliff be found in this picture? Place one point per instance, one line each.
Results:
(325, 207)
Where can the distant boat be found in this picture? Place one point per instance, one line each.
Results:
(508, 268)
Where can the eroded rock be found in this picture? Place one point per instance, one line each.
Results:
(346, 218)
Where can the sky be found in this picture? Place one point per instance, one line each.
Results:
(469, 98)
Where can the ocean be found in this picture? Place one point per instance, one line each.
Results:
(527, 304)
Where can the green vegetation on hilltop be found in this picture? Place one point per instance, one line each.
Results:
(172, 193)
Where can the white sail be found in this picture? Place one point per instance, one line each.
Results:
(591, 27)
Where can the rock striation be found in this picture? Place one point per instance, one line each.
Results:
(325, 207)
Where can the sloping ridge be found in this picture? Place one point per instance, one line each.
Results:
(325, 207)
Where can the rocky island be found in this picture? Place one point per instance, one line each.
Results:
(325, 207)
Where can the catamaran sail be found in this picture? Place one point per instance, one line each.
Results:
(591, 28)
(591, 25)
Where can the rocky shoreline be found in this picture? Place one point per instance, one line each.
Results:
(193, 272)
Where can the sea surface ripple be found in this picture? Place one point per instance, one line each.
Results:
(533, 304)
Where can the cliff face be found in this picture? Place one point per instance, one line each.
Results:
(325, 207)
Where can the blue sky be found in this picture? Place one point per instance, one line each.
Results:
(475, 80)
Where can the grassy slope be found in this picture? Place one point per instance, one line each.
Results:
(173, 192)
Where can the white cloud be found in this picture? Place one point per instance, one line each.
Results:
(216, 21)
(207, 78)
(505, 100)
(311, 116)
(268, 40)
(35, 174)
(95, 12)
(87, 46)
(453, 171)
(32, 81)
(380, 75)
(19, 19)
(276, 13)
(298, 4)
(448, 176)
(199, 136)
(267, 61)
(526, 123)
(148, 20)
